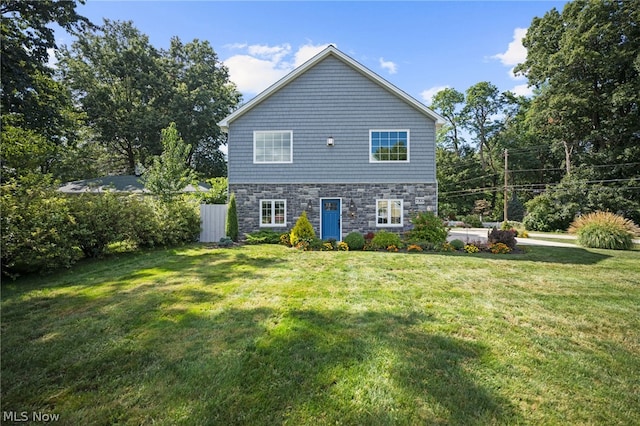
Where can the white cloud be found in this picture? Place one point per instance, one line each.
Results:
(428, 94)
(307, 52)
(516, 53)
(259, 66)
(53, 61)
(253, 75)
(391, 67)
(522, 90)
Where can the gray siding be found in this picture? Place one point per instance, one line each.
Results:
(332, 99)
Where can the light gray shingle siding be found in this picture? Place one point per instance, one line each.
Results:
(332, 99)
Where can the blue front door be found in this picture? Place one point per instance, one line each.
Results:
(331, 219)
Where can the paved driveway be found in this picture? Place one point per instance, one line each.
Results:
(480, 234)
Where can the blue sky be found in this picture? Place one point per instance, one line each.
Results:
(419, 46)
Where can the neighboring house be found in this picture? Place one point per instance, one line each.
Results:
(123, 183)
(336, 140)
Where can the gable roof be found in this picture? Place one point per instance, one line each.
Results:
(329, 51)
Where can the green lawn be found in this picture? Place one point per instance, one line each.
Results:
(270, 335)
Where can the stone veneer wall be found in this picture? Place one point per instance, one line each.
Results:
(364, 196)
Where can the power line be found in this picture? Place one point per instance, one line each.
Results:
(465, 192)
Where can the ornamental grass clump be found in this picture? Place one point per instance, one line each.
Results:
(604, 230)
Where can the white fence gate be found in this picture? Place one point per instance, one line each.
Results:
(212, 222)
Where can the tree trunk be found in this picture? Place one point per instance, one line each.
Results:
(567, 156)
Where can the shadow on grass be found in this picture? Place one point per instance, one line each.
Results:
(562, 255)
(135, 361)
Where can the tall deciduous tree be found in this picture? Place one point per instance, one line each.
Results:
(585, 62)
(117, 78)
(34, 105)
(130, 91)
(584, 58)
(448, 102)
(202, 95)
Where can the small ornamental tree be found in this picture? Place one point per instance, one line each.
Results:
(169, 173)
(302, 230)
(231, 226)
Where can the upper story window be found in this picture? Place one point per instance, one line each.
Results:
(273, 146)
(388, 145)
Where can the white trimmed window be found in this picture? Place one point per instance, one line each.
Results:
(388, 213)
(273, 212)
(273, 146)
(388, 146)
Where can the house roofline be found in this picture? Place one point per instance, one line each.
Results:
(330, 50)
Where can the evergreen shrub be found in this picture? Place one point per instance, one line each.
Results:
(355, 241)
(302, 230)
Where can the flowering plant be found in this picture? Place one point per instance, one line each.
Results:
(499, 248)
(447, 247)
(342, 246)
(471, 248)
(414, 247)
(392, 248)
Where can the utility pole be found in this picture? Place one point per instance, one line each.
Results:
(506, 174)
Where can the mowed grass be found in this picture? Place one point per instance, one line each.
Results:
(270, 335)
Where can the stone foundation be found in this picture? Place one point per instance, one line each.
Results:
(416, 197)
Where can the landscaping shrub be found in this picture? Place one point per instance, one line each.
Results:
(354, 240)
(546, 215)
(264, 236)
(285, 239)
(427, 227)
(446, 247)
(604, 230)
(225, 242)
(43, 229)
(499, 248)
(314, 243)
(385, 239)
(327, 246)
(140, 221)
(99, 221)
(36, 229)
(178, 220)
(231, 225)
(302, 230)
(457, 244)
(472, 220)
(342, 246)
(506, 237)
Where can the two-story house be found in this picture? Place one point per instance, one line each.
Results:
(336, 140)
